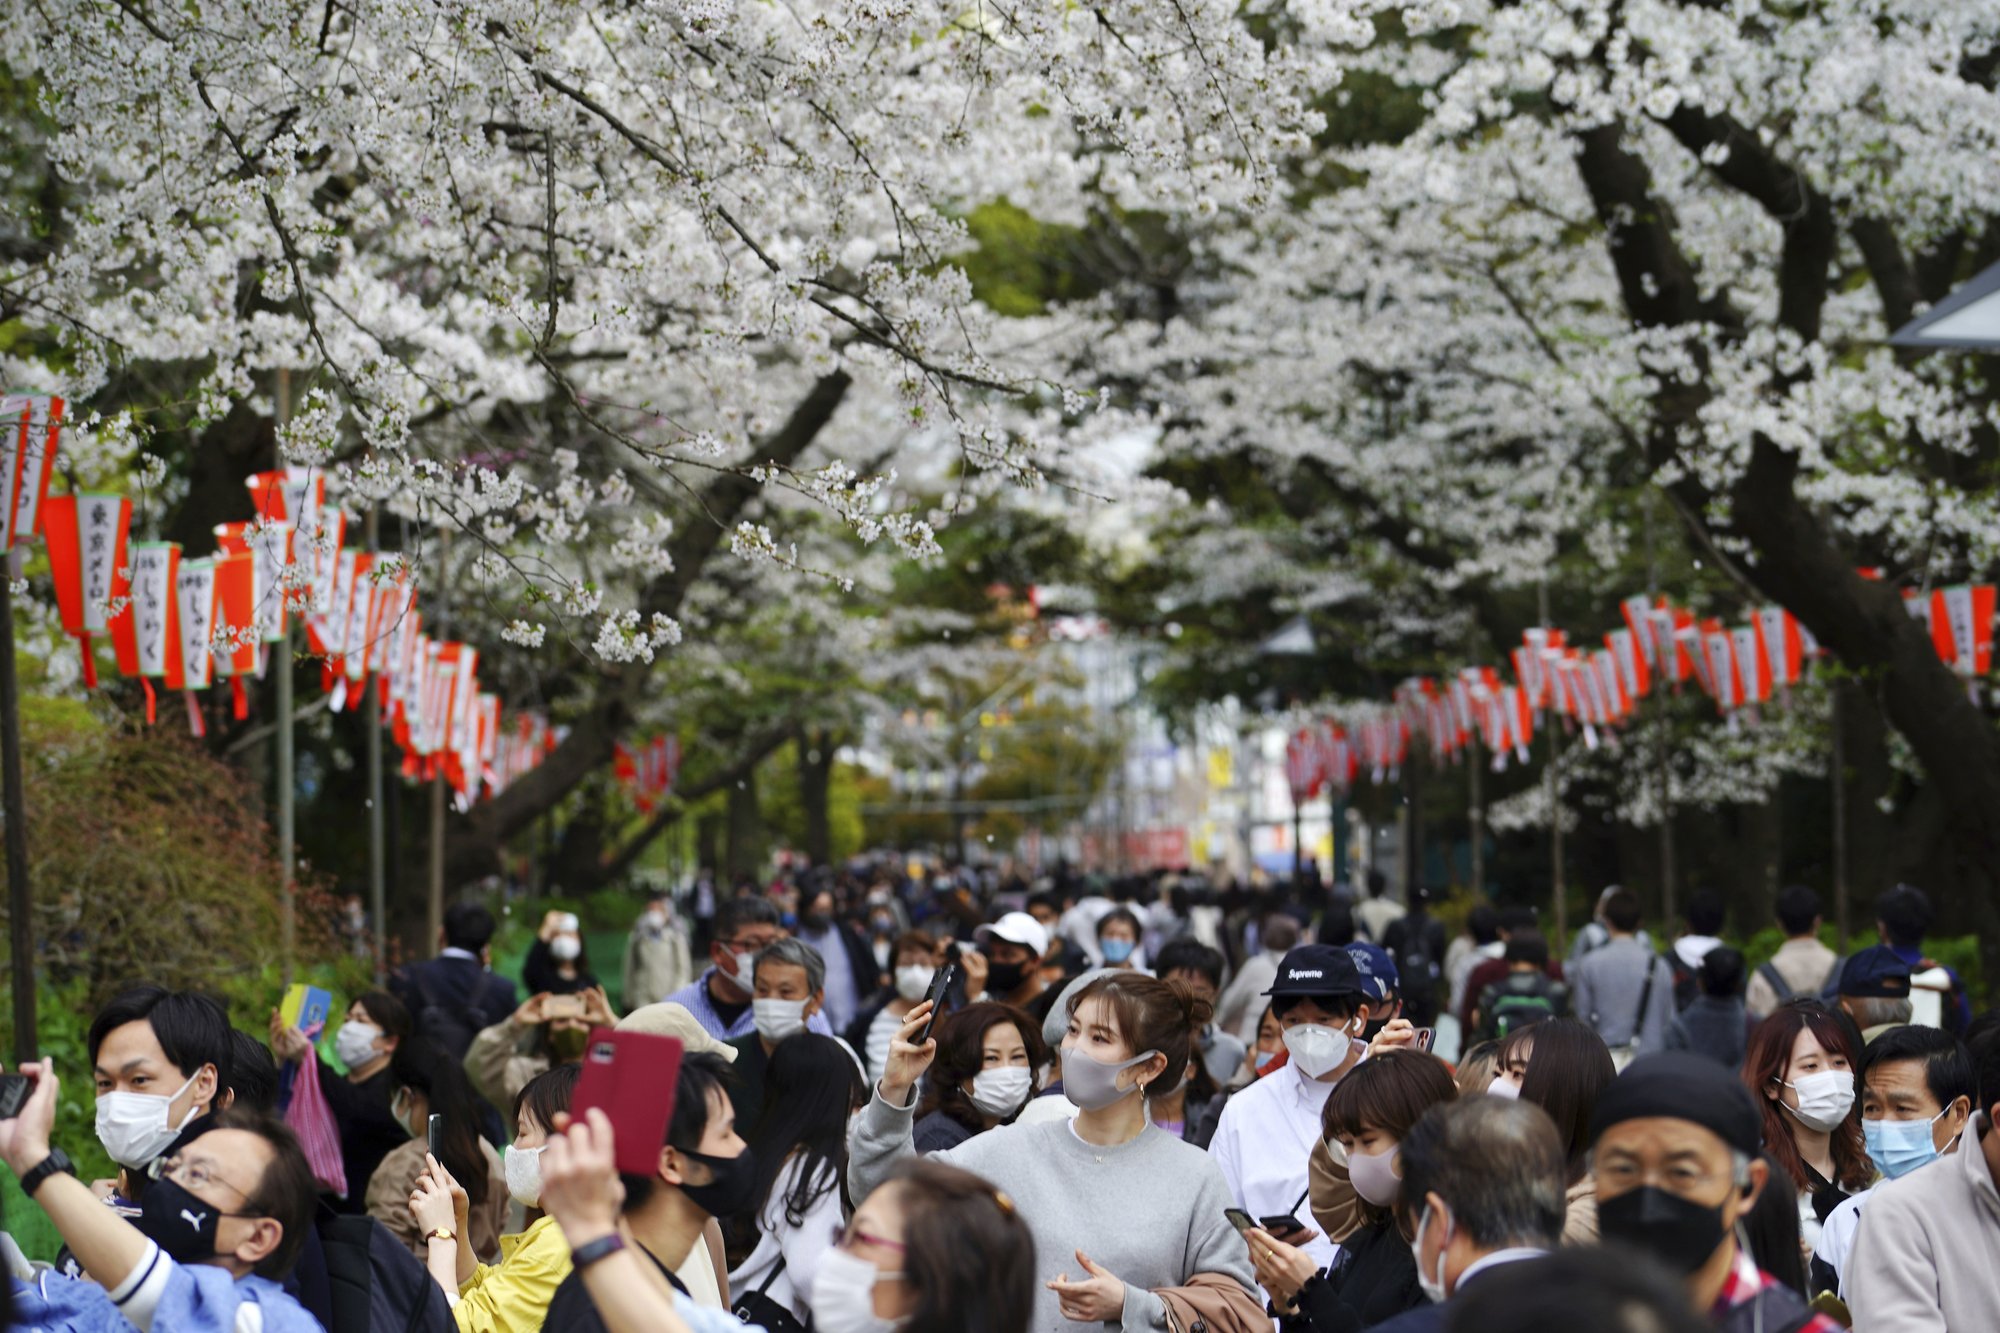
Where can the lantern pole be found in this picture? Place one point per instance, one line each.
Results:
(20, 903)
(377, 840)
(281, 661)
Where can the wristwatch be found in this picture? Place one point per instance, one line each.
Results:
(57, 1160)
(588, 1253)
(442, 1233)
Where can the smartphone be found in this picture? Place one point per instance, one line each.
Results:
(14, 1092)
(939, 985)
(435, 1130)
(568, 922)
(1239, 1219)
(1424, 1036)
(1281, 1225)
(563, 1006)
(631, 1076)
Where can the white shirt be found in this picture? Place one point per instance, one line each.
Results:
(1836, 1238)
(801, 1247)
(1262, 1145)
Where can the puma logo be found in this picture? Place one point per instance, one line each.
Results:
(194, 1219)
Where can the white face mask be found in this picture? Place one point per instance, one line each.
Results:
(1432, 1282)
(654, 920)
(133, 1126)
(1502, 1086)
(779, 1019)
(745, 974)
(566, 948)
(914, 981)
(1317, 1049)
(843, 1295)
(1825, 1099)
(355, 1043)
(1000, 1092)
(523, 1167)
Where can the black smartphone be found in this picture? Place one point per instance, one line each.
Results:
(435, 1133)
(1239, 1219)
(1281, 1225)
(939, 985)
(14, 1092)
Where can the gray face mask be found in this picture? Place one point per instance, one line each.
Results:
(1092, 1084)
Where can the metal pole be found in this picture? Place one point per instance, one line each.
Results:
(378, 841)
(287, 782)
(1837, 772)
(20, 902)
(1477, 814)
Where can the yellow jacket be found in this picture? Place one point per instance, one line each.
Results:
(513, 1295)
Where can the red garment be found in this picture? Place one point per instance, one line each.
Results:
(1745, 1281)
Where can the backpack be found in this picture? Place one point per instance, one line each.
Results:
(1417, 969)
(1523, 999)
(377, 1285)
(452, 1026)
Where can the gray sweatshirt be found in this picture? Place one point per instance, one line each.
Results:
(1606, 986)
(1148, 1211)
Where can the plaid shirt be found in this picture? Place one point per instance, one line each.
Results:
(1745, 1282)
(695, 999)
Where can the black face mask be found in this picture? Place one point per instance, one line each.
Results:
(1679, 1233)
(1004, 978)
(179, 1223)
(814, 921)
(731, 1191)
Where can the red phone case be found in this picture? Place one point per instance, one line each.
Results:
(630, 1076)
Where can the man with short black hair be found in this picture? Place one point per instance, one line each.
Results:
(453, 997)
(1375, 915)
(720, 998)
(1924, 1257)
(220, 1227)
(1624, 989)
(704, 1174)
(1483, 1181)
(1802, 965)
(1917, 1092)
(1195, 965)
(161, 1059)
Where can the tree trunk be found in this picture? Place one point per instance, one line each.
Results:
(475, 847)
(745, 834)
(816, 747)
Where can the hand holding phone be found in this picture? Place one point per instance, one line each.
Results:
(435, 1136)
(939, 985)
(1239, 1219)
(15, 1090)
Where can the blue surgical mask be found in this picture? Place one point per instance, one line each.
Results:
(1899, 1147)
(1116, 951)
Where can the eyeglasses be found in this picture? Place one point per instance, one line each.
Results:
(192, 1175)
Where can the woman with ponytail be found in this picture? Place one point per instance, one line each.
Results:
(1119, 1208)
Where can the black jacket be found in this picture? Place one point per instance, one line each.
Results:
(459, 984)
(1375, 1280)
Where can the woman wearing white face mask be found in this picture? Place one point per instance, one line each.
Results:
(1800, 1065)
(933, 1250)
(1264, 1141)
(556, 962)
(1085, 1185)
(374, 1025)
(512, 1295)
(1367, 1115)
(984, 1074)
(913, 966)
(425, 1081)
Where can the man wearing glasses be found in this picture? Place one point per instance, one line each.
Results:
(720, 998)
(220, 1225)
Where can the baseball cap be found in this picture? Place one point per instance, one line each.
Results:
(674, 1020)
(1016, 928)
(1377, 968)
(1318, 969)
(1875, 973)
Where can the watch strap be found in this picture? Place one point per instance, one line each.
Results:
(588, 1253)
(56, 1161)
(441, 1233)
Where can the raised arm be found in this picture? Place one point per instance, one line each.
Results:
(882, 1133)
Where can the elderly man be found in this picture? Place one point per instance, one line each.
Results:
(788, 992)
(1674, 1144)
(1874, 988)
(1482, 1188)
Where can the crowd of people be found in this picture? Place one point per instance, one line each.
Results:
(932, 1101)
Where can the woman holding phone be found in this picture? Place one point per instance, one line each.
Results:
(1079, 1184)
(1369, 1113)
(984, 1074)
(933, 1250)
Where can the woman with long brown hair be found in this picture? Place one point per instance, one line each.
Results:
(1802, 1066)
(1562, 1065)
